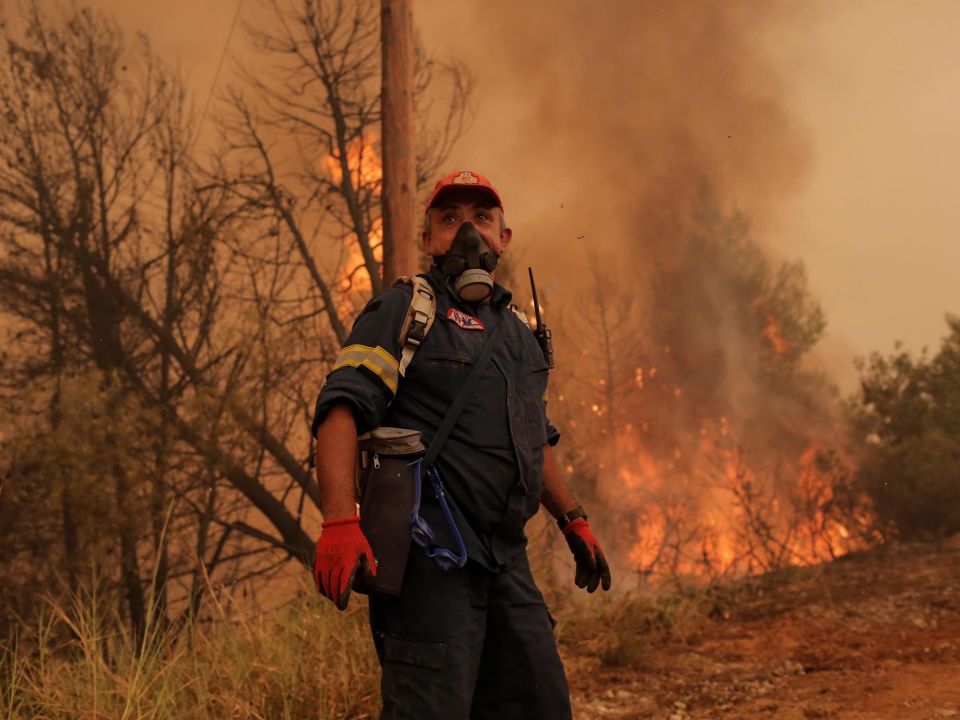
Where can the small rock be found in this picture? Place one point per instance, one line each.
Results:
(793, 668)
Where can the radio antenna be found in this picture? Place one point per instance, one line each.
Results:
(542, 332)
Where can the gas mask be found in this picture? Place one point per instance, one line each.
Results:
(468, 264)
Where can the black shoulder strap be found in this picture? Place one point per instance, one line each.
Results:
(450, 419)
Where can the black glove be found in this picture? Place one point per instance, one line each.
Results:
(592, 568)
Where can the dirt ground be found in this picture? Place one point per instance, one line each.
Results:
(871, 636)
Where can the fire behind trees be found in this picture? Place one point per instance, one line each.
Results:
(169, 320)
(714, 445)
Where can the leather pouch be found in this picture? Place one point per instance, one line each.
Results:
(386, 488)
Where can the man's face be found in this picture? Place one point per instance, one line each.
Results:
(456, 207)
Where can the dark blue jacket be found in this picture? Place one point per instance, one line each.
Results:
(492, 461)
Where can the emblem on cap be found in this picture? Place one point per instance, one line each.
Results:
(465, 178)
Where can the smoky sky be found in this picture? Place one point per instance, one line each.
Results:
(830, 125)
(600, 121)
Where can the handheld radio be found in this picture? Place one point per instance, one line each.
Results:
(542, 333)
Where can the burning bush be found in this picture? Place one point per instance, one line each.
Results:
(712, 441)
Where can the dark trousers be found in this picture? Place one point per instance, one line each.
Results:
(468, 644)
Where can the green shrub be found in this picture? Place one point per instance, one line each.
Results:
(907, 423)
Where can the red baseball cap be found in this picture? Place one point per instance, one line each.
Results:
(463, 179)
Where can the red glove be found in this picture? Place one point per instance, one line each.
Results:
(592, 568)
(341, 551)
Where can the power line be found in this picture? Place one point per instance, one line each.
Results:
(216, 75)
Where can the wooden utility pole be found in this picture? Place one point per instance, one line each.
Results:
(399, 194)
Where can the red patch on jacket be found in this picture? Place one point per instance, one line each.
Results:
(467, 322)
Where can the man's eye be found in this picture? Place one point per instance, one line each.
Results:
(449, 218)
(482, 217)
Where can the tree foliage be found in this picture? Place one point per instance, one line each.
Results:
(97, 234)
(728, 332)
(906, 420)
(60, 517)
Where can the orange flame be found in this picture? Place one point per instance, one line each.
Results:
(771, 331)
(363, 162)
(366, 171)
(709, 513)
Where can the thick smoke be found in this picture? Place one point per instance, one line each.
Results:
(605, 120)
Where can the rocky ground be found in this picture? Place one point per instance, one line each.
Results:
(871, 636)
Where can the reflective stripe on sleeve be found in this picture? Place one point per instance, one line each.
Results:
(375, 359)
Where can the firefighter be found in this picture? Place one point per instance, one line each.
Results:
(467, 637)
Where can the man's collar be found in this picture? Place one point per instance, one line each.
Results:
(500, 298)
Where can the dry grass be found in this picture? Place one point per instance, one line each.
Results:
(305, 661)
(627, 629)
